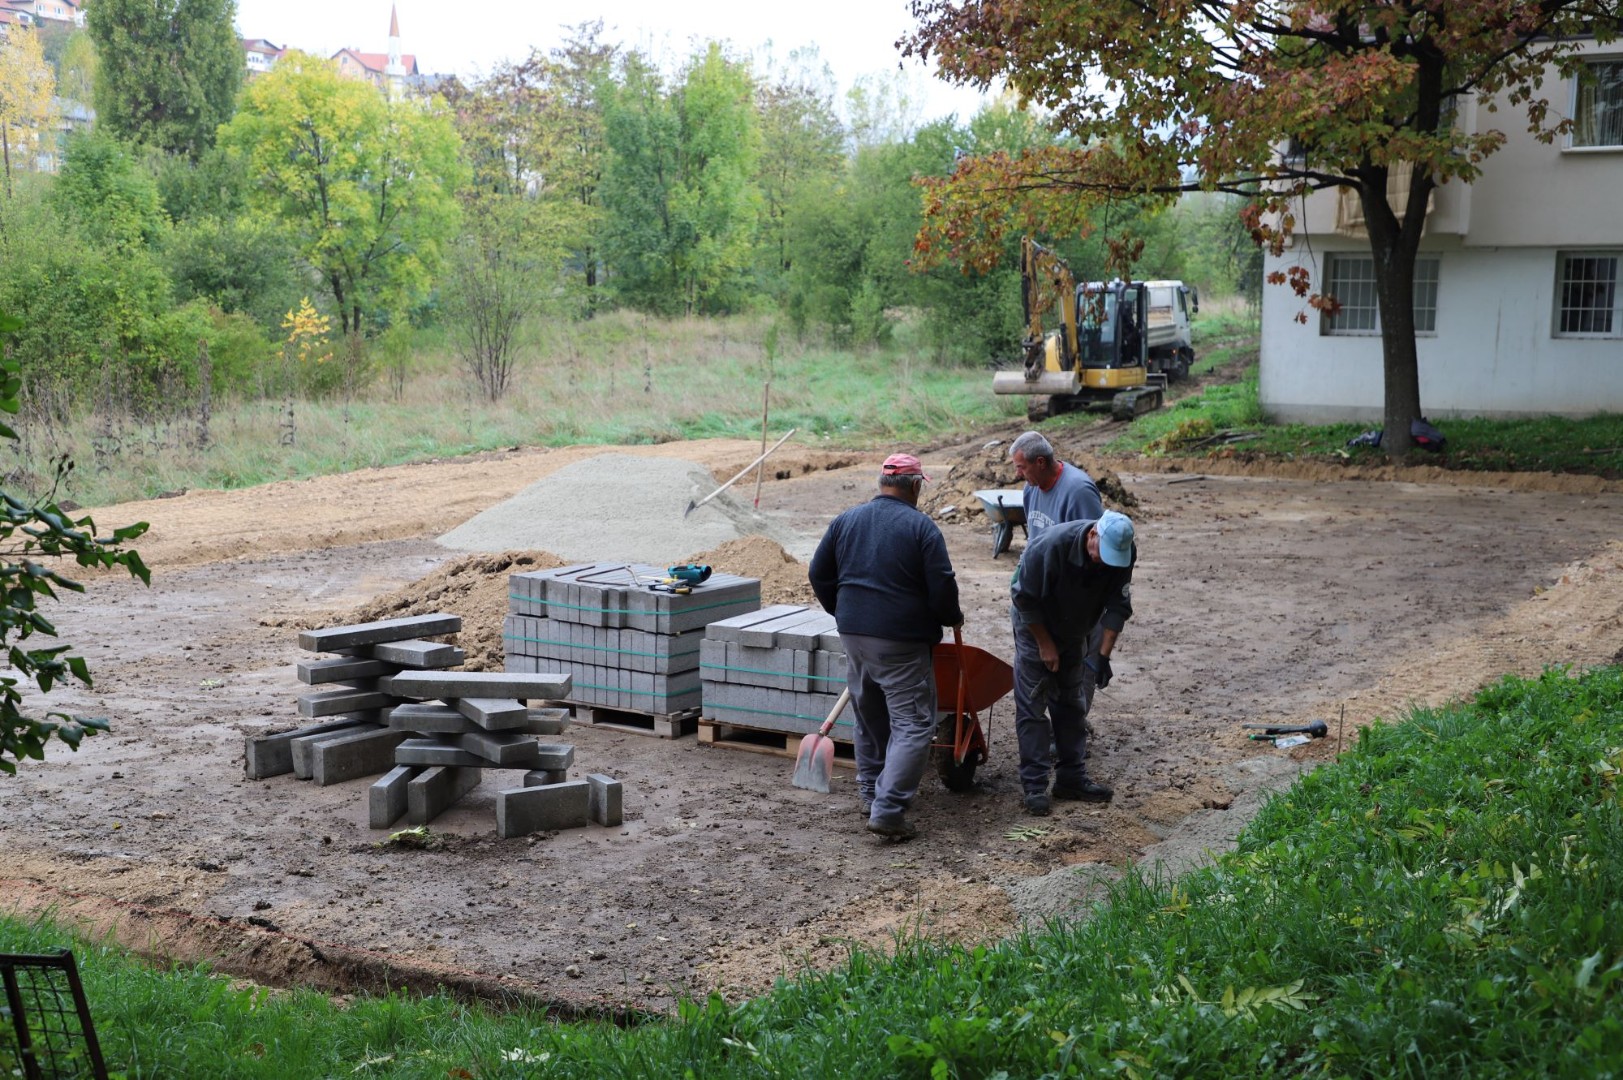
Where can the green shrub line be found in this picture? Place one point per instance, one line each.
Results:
(1444, 900)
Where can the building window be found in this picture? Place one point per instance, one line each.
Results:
(1598, 109)
(1586, 295)
(1351, 280)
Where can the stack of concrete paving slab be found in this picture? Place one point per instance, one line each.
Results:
(460, 723)
(353, 738)
(777, 670)
(387, 708)
(630, 643)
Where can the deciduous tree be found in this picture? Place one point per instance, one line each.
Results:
(169, 69)
(26, 87)
(363, 184)
(679, 189)
(1157, 91)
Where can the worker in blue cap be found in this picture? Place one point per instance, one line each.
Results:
(1072, 577)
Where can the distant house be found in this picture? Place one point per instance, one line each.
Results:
(260, 55)
(10, 17)
(1518, 294)
(392, 72)
(67, 12)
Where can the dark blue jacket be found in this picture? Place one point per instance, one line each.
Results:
(882, 570)
(1057, 585)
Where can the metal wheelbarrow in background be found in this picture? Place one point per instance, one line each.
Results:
(968, 681)
(1005, 510)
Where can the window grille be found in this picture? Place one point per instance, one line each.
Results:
(1587, 295)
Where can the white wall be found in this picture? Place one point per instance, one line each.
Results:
(1493, 354)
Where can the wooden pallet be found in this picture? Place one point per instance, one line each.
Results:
(665, 725)
(765, 741)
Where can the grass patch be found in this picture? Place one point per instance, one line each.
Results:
(620, 379)
(1446, 900)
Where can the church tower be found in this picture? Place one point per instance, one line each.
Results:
(394, 70)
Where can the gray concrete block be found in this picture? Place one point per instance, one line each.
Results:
(386, 798)
(436, 752)
(341, 669)
(525, 810)
(500, 747)
(546, 722)
(733, 627)
(493, 714)
(538, 777)
(272, 755)
(345, 757)
(804, 633)
(605, 799)
(429, 718)
(299, 746)
(427, 685)
(414, 654)
(434, 791)
(334, 702)
(415, 626)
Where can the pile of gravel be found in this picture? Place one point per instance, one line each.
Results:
(615, 507)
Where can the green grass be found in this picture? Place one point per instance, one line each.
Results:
(1446, 900)
(618, 379)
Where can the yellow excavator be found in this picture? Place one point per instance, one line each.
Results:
(1098, 357)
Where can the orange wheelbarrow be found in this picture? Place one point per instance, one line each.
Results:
(975, 680)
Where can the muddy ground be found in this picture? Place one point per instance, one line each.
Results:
(1318, 594)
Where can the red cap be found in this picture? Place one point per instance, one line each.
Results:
(903, 465)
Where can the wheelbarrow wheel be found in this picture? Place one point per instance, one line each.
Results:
(955, 775)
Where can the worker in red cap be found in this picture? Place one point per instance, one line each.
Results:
(883, 572)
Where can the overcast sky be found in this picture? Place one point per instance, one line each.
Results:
(854, 37)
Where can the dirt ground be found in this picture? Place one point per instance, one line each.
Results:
(1261, 594)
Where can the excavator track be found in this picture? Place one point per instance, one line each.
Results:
(1135, 403)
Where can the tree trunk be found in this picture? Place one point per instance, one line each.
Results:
(1394, 244)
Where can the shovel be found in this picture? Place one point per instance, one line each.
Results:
(692, 506)
(814, 764)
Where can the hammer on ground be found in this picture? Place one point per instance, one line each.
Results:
(1318, 729)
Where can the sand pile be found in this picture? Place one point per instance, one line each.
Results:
(474, 587)
(615, 507)
(783, 577)
(989, 466)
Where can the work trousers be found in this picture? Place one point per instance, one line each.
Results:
(1050, 713)
(893, 694)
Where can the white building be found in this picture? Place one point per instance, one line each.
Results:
(1518, 287)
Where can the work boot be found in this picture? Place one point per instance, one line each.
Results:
(1086, 791)
(867, 808)
(892, 827)
(1037, 805)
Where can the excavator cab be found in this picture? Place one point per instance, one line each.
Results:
(1110, 319)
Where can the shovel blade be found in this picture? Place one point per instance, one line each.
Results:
(814, 764)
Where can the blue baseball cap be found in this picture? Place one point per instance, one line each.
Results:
(1115, 538)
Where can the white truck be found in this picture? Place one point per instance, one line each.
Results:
(1166, 330)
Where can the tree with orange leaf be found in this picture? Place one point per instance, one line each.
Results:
(1165, 96)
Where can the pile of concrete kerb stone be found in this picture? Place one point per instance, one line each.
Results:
(391, 708)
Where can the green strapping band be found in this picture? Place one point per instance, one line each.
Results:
(790, 715)
(622, 611)
(761, 671)
(594, 648)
